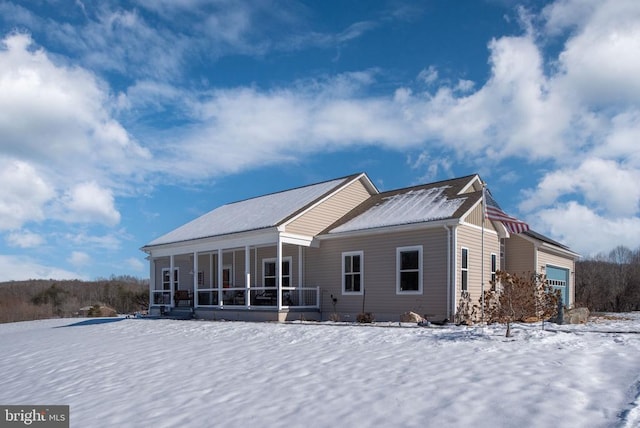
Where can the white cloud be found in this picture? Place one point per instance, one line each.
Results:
(79, 258)
(57, 114)
(56, 130)
(585, 230)
(598, 63)
(428, 75)
(608, 186)
(90, 203)
(105, 242)
(18, 268)
(23, 193)
(24, 239)
(136, 265)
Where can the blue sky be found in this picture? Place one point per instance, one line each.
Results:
(121, 120)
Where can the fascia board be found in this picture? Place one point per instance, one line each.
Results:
(239, 240)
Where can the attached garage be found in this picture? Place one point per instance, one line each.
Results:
(558, 279)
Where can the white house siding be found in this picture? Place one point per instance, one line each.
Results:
(330, 210)
(324, 269)
(470, 237)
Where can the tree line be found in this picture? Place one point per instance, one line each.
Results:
(39, 299)
(609, 282)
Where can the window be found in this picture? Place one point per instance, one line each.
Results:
(464, 269)
(352, 278)
(269, 275)
(409, 270)
(494, 267)
(166, 278)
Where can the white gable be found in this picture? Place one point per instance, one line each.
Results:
(414, 206)
(251, 214)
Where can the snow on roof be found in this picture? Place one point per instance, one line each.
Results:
(414, 206)
(250, 214)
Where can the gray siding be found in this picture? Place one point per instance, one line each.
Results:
(324, 269)
(327, 212)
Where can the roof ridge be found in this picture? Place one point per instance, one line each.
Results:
(346, 177)
(430, 184)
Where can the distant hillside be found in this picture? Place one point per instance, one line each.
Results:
(38, 299)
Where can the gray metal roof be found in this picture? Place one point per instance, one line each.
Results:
(413, 206)
(250, 214)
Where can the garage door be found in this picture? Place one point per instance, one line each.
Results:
(558, 279)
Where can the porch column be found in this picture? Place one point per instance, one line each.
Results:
(247, 275)
(300, 276)
(152, 280)
(279, 272)
(195, 279)
(171, 277)
(220, 300)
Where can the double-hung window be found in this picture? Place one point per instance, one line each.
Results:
(409, 270)
(352, 272)
(270, 278)
(166, 278)
(494, 267)
(464, 269)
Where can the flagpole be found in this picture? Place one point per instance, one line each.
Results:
(484, 215)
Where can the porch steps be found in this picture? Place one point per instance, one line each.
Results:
(180, 313)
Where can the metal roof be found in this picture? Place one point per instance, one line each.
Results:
(251, 214)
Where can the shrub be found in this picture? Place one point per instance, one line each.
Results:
(518, 298)
(365, 318)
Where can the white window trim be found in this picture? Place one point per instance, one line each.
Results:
(399, 251)
(491, 268)
(464, 269)
(275, 261)
(176, 277)
(353, 253)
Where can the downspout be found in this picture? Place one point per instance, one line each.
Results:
(172, 278)
(152, 279)
(454, 271)
(279, 273)
(448, 271)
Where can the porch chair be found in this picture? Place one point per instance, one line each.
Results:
(182, 295)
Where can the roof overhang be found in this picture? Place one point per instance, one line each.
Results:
(554, 249)
(255, 238)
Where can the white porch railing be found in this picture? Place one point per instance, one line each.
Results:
(160, 297)
(259, 297)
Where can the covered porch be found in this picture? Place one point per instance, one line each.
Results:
(257, 277)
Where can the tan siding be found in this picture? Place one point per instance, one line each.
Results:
(471, 238)
(519, 255)
(326, 213)
(324, 269)
(476, 216)
(547, 258)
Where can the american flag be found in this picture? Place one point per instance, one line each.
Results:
(493, 212)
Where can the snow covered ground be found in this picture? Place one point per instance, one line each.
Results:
(164, 373)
